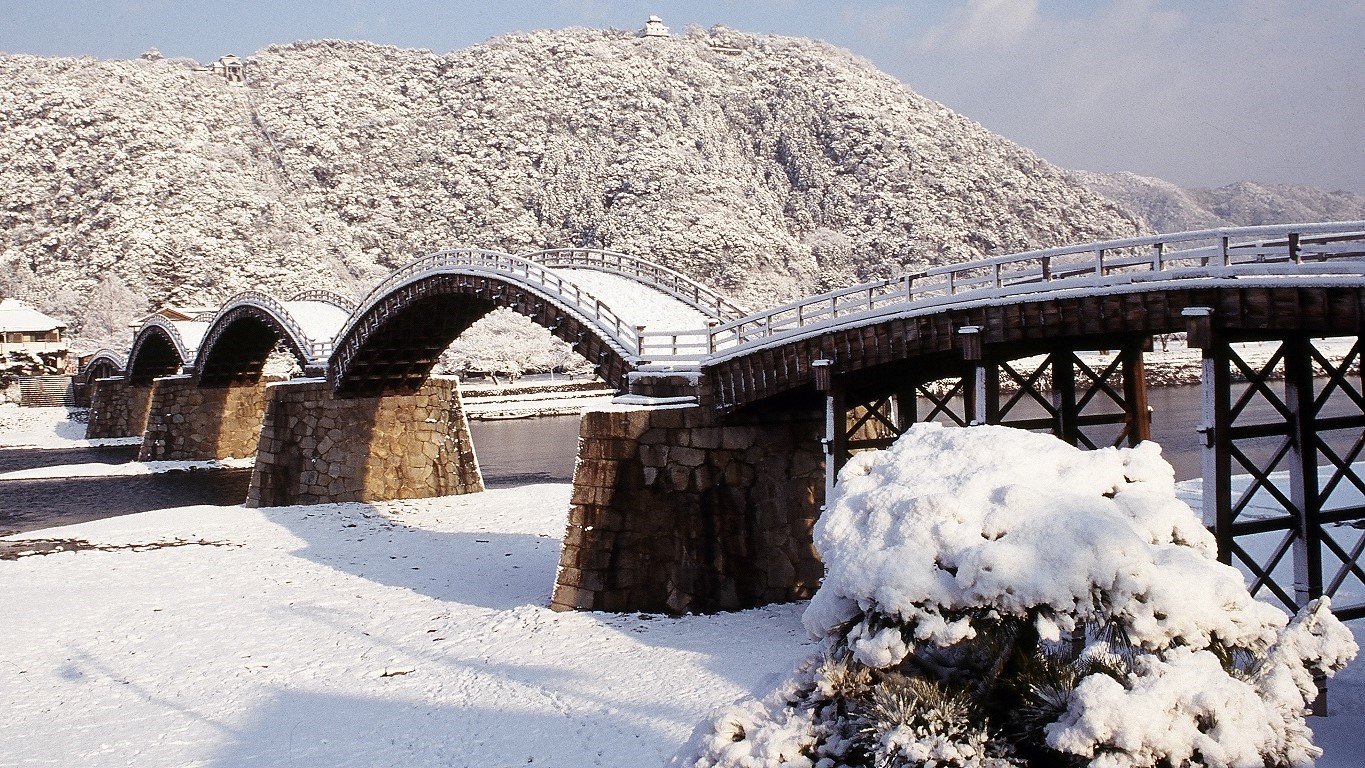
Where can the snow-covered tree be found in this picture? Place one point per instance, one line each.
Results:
(998, 598)
(508, 344)
(106, 314)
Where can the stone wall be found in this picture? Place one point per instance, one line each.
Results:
(186, 421)
(676, 509)
(118, 409)
(317, 448)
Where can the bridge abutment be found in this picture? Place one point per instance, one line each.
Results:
(317, 448)
(676, 509)
(118, 408)
(186, 421)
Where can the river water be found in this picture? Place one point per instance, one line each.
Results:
(510, 452)
(30, 505)
(517, 451)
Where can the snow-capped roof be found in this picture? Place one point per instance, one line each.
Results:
(20, 317)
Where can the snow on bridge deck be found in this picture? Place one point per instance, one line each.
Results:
(636, 303)
(320, 321)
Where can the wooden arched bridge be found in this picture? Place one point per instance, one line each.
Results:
(698, 489)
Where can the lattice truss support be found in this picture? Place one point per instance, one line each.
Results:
(1284, 482)
(1086, 403)
(1089, 404)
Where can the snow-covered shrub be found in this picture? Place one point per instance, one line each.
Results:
(996, 597)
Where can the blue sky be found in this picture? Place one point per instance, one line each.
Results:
(1201, 93)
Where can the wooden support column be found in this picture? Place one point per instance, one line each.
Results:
(903, 410)
(1216, 457)
(1303, 468)
(1064, 396)
(1303, 483)
(974, 393)
(1139, 415)
(835, 441)
(991, 373)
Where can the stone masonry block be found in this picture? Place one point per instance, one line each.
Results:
(667, 418)
(707, 437)
(687, 457)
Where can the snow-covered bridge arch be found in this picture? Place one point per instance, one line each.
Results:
(161, 347)
(244, 332)
(103, 364)
(392, 342)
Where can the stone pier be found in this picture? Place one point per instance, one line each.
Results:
(676, 509)
(316, 448)
(118, 408)
(186, 421)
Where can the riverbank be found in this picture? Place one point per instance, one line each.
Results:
(525, 399)
(1176, 365)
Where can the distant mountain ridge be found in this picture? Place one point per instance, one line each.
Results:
(767, 166)
(1165, 207)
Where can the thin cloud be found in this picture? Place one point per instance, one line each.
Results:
(985, 24)
(1265, 91)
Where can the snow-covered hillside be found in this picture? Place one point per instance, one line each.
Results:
(767, 166)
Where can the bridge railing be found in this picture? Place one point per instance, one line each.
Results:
(1247, 251)
(703, 299)
(327, 297)
(520, 269)
(113, 357)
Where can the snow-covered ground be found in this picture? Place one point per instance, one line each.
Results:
(47, 428)
(406, 633)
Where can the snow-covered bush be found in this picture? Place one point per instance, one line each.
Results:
(996, 597)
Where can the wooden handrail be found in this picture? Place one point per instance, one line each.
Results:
(1248, 250)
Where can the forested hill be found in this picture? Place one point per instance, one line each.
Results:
(768, 166)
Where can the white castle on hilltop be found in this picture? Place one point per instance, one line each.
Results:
(654, 27)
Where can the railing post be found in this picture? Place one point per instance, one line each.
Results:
(1216, 462)
(640, 340)
(975, 391)
(835, 433)
(711, 337)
